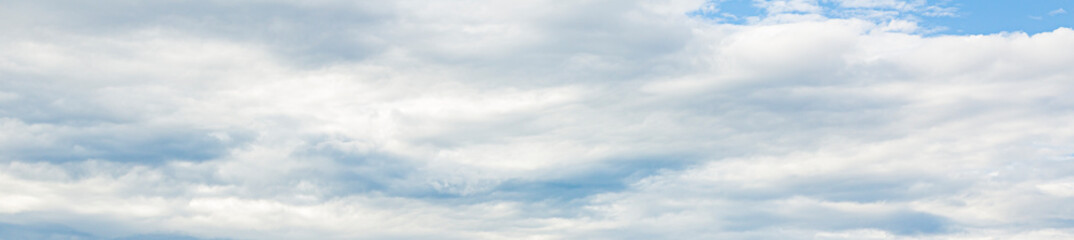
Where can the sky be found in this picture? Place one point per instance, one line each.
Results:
(536, 119)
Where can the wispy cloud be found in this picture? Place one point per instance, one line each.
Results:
(1057, 12)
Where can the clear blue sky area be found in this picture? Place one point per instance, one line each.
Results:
(990, 16)
(970, 16)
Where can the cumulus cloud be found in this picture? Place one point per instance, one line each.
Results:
(527, 120)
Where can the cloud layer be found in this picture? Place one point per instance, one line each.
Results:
(527, 120)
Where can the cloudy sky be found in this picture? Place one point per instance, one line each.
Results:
(536, 119)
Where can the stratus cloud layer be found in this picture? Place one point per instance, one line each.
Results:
(526, 120)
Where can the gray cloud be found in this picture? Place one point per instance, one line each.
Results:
(530, 119)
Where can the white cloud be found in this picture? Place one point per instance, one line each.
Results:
(1057, 12)
(784, 6)
(529, 120)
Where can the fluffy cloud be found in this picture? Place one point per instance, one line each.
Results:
(526, 120)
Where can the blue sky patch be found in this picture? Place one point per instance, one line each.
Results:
(947, 17)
